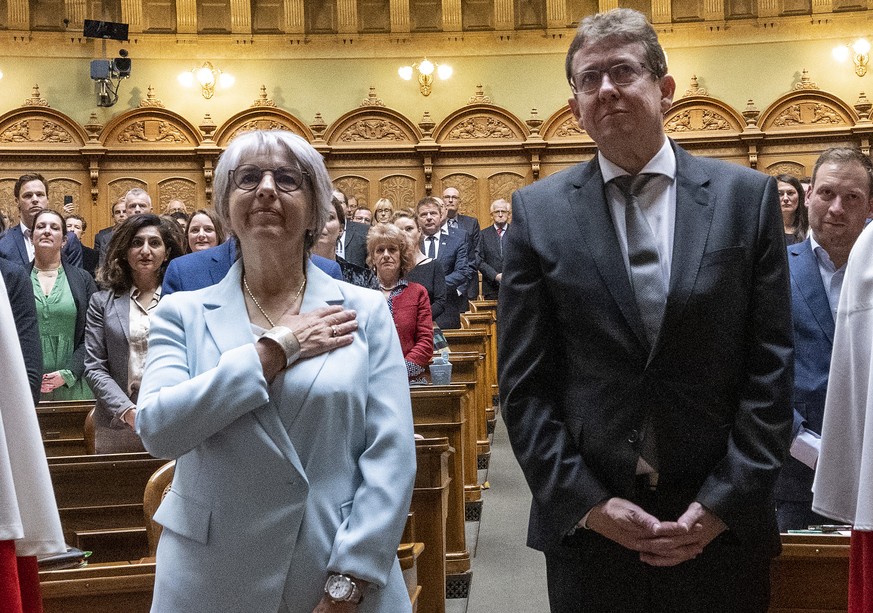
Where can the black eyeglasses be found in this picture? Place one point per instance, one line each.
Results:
(248, 176)
(589, 81)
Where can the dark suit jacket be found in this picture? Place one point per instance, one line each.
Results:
(90, 260)
(101, 243)
(20, 290)
(355, 243)
(813, 344)
(470, 227)
(490, 260)
(204, 268)
(577, 381)
(12, 248)
(453, 258)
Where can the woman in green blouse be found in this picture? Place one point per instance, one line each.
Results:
(62, 292)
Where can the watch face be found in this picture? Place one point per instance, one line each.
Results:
(339, 587)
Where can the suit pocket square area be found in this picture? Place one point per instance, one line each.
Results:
(184, 516)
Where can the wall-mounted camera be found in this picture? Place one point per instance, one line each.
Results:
(108, 73)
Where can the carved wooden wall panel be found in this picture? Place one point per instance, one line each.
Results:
(468, 188)
(261, 118)
(810, 110)
(178, 188)
(359, 187)
(480, 123)
(787, 168)
(147, 127)
(7, 200)
(372, 126)
(401, 190)
(60, 187)
(702, 114)
(563, 125)
(503, 184)
(119, 187)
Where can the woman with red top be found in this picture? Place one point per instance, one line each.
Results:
(391, 254)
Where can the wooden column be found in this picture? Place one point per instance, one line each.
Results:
(294, 17)
(504, 15)
(347, 16)
(399, 16)
(186, 16)
(452, 16)
(241, 16)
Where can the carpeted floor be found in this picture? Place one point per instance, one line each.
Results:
(507, 576)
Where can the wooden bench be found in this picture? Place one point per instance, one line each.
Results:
(99, 588)
(61, 424)
(439, 411)
(811, 575)
(476, 340)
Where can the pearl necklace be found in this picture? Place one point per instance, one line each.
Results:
(261, 309)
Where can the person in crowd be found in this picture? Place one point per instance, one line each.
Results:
(326, 248)
(90, 257)
(137, 201)
(792, 199)
(455, 222)
(101, 241)
(391, 252)
(176, 206)
(29, 522)
(117, 330)
(450, 250)
(204, 231)
(363, 215)
(61, 293)
(282, 456)
(646, 388)
(351, 206)
(352, 246)
(31, 196)
(425, 271)
(180, 218)
(20, 293)
(840, 199)
(491, 249)
(842, 488)
(383, 211)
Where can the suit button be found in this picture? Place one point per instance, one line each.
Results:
(633, 437)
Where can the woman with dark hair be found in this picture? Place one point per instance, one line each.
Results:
(283, 397)
(204, 231)
(61, 292)
(116, 337)
(794, 214)
(326, 248)
(425, 271)
(390, 252)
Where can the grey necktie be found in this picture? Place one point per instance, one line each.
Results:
(431, 248)
(647, 278)
(647, 281)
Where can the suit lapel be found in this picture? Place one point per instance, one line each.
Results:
(121, 307)
(694, 212)
(806, 279)
(587, 201)
(19, 242)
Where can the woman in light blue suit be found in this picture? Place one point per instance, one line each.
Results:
(117, 328)
(282, 393)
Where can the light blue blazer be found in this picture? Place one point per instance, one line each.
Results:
(276, 486)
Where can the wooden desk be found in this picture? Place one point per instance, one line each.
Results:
(62, 424)
(440, 411)
(811, 575)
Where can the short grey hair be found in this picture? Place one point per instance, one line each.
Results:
(137, 192)
(280, 142)
(623, 26)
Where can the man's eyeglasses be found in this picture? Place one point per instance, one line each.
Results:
(589, 81)
(248, 176)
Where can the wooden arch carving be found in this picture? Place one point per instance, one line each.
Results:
(481, 123)
(702, 116)
(149, 128)
(562, 125)
(372, 127)
(400, 189)
(786, 167)
(261, 118)
(39, 127)
(807, 110)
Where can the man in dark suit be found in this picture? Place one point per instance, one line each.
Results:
(31, 196)
(352, 245)
(101, 241)
(491, 249)
(77, 224)
(840, 200)
(645, 352)
(451, 251)
(454, 221)
(204, 268)
(20, 291)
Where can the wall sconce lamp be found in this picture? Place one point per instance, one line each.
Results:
(859, 52)
(425, 69)
(207, 77)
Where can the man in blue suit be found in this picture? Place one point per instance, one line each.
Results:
(841, 198)
(204, 268)
(451, 251)
(31, 196)
(456, 222)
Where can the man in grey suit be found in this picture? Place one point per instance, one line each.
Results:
(352, 246)
(840, 200)
(456, 222)
(645, 352)
(491, 249)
